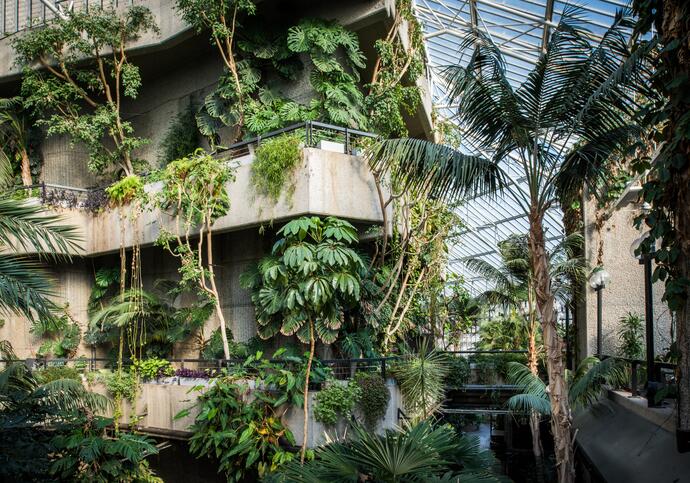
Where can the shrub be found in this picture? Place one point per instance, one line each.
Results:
(243, 436)
(631, 333)
(153, 368)
(336, 401)
(53, 373)
(181, 138)
(276, 160)
(213, 348)
(122, 385)
(458, 372)
(374, 399)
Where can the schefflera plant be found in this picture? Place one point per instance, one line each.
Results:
(303, 286)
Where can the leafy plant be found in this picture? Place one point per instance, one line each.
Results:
(86, 454)
(18, 141)
(274, 166)
(421, 377)
(631, 334)
(374, 399)
(126, 190)
(458, 372)
(63, 333)
(194, 194)
(336, 401)
(121, 385)
(302, 288)
(152, 368)
(54, 373)
(416, 453)
(81, 99)
(106, 285)
(182, 137)
(244, 437)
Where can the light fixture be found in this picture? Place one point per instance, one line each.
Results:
(599, 278)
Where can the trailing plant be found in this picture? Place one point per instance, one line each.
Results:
(194, 373)
(126, 190)
(121, 385)
(274, 165)
(182, 137)
(374, 399)
(419, 452)
(194, 194)
(152, 368)
(630, 334)
(83, 100)
(667, 175)
(393, 90)
(86, 454)
(336, 401)
(251, 432)
(301, 289)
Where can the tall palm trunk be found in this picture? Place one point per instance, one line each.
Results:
(553, 345)
(532, 363)
(26, 168)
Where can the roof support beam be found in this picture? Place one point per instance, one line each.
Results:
(548, 17)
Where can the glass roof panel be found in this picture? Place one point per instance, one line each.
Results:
(520, 28)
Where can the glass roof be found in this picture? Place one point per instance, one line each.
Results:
(520, 28)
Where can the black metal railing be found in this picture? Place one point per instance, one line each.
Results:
(662, 374)
(314, 134)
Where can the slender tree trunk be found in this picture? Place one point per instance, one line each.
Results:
(533, 365)
(683, 315)
(558, 388)
(216, 297)
(26, 169)
(305, 428)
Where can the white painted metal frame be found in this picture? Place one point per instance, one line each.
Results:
(521, 29)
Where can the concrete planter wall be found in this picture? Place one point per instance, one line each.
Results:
(159, 401)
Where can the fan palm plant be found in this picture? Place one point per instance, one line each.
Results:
(415, 453)
(558, 128)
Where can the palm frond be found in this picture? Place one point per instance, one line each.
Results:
(534, 396)
(435, 170)
(25, 226)
(25, 288)
(590, 378)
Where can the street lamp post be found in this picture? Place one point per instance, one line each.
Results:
(599, 279)
(646, 260)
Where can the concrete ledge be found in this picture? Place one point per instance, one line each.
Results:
(664, 417)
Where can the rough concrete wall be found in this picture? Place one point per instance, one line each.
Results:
(625, 292)
(66, 164)
(73, 284)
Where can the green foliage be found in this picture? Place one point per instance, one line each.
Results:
(311, 275)
(335, 81)
(213, 348)
(458, 372)
(415, 453)
(106, 285)
(274, 166)
(54, 373)
(82, 99)
(243, 437)
(507, 332)
(494, 368)
(19, 143)
(32, 414)
(336, 401)
(374, 398)
(85, 454)
(193, 190)
(152, 368)
(631, 334)
(122, 385)
(182, 137)
(126, 190)
(63, 334)
(421, 378)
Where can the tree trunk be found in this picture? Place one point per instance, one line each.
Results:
(26, 168)
(214, 289)
(558, 388)
(305, 428)
(532, 363)
(683, 315)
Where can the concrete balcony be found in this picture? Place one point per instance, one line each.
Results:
(326, 183)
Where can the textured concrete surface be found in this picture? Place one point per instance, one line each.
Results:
(625, 292)
(158, 403)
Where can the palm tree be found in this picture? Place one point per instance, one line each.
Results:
(570, 114)
(15, 136)
(25, 286)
